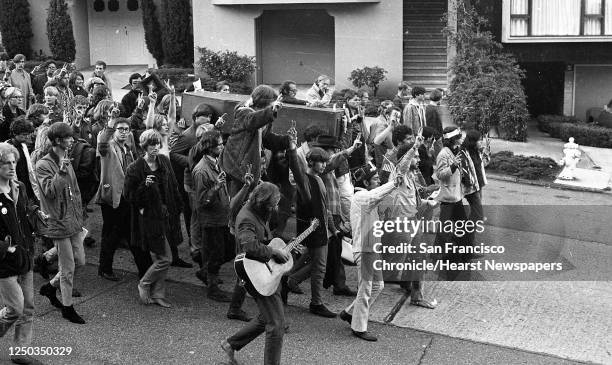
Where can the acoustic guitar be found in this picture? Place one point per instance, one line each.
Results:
(262, 278)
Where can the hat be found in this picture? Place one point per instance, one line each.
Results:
(326, 141)
(364, 173)
(317, 154)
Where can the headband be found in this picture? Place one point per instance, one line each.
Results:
(451, 134)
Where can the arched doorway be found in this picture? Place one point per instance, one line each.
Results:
(294, 45)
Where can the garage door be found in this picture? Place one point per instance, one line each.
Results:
(116, 36)
(593, 88)
(295, 45)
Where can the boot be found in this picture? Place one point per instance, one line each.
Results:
(70, 314)
(50, 291)
(214, 292)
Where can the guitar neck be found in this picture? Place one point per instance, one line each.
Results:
(299, 239)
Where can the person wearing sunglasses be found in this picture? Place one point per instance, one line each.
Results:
(115, 157)
(12, 109)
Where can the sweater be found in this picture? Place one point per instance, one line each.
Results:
(449, 176)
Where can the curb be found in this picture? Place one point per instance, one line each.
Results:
(500, 177)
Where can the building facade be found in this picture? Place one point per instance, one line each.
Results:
(564, 46)
(300, 40)
(109, 30)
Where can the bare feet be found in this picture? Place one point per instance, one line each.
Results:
(230, 352)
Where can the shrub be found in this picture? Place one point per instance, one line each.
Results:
(584, 134)
(59, 31)
(16, 27)
(368, 76)
(228, 66)
(177, 36)
(179, 77)
(524, 167)
(486, 88)
(243, 88)
(152, 29)
(545, 120)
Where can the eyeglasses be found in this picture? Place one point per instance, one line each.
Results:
(123, 129)
(16, 97)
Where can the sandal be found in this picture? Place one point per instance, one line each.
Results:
(424, 303)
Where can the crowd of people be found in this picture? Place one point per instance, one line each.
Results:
(65, 144)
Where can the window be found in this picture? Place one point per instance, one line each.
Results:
(558, 18)
(519, 18)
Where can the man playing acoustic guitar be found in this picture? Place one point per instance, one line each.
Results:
(253, 234)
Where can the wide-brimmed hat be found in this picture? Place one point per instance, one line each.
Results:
(325, 141)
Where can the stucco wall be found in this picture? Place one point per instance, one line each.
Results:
(38, 13)
(365, 34)
(80, 29)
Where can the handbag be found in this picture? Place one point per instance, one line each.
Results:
(347, 252)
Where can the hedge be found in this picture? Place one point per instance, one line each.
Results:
(179, 77)
(183, 78)
(545, 120)
(524, 167)
(584, 133)
(243, 88)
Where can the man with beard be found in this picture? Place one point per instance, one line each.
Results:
(213, 200)
(39, 81)
(253, 234)
(115, 156)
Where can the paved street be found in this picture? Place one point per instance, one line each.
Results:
(475, 322)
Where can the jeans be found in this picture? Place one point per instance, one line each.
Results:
(155, 277)
(17, 295)
(334, 272)
(70, 254)
(315, 268)
(476, 211)
(116, 226)
(271, 319)
(196, 234)
(371, 285)
(347, 190)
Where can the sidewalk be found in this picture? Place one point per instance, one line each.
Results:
(542, 145)
(120, 330)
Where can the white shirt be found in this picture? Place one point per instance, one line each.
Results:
(31, 172)
(364, 213)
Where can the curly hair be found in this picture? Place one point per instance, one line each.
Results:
(7, 149)
(100, 112)
(21, 126)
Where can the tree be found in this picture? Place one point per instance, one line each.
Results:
(59, 31)
(16, 27)
(153, 34)
(486, 88)
(368, 76)
(177, 38)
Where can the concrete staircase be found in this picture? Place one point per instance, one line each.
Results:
(425, 50)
